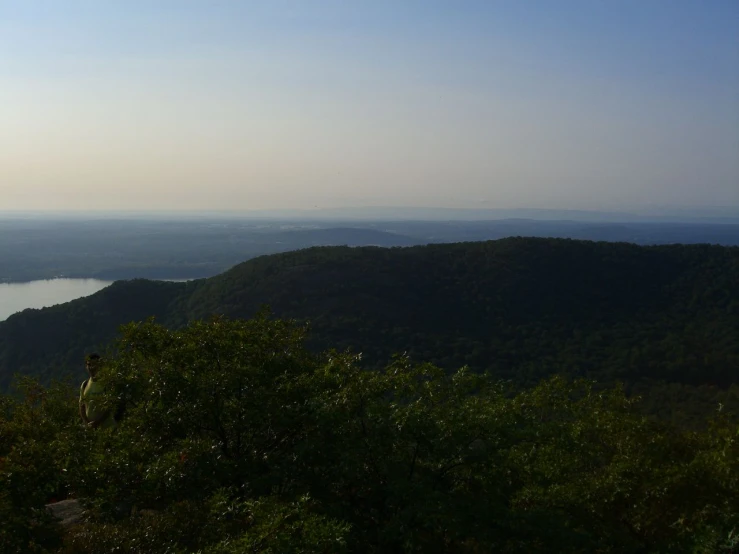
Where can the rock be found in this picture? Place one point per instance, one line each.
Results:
(68, 511)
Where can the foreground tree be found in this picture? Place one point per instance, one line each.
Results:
(38, 438)
(235, 438)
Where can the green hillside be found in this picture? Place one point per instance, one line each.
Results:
(253, 434)
(234, 438)
(51, 342)
(521, 308)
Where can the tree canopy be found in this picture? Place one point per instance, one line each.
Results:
(236, 437)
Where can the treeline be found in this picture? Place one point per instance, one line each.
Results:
(236, 438)
(663, 320)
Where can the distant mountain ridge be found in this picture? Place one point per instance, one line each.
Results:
(715, 214)
(521, 308)
(202, 247)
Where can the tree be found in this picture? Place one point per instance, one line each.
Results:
(237, 438)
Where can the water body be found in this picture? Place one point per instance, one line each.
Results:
(15, 297)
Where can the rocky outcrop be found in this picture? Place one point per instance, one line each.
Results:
(68, 512)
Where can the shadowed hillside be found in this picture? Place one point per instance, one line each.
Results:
(52, 341)
(520, 308)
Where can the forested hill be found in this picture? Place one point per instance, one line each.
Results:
(521, 308)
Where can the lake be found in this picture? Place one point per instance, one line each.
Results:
(15, 297)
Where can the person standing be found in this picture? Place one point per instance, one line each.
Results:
(92, 412)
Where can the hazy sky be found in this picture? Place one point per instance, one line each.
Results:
(149, 104)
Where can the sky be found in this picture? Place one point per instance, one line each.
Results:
(297, 104)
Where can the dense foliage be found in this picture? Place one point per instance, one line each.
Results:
(236, 438)
(663, 320)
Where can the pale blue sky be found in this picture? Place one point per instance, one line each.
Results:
(180, 104)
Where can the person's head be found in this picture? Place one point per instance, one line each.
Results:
(92, 364)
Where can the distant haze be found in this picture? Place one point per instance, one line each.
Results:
(626, 105)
